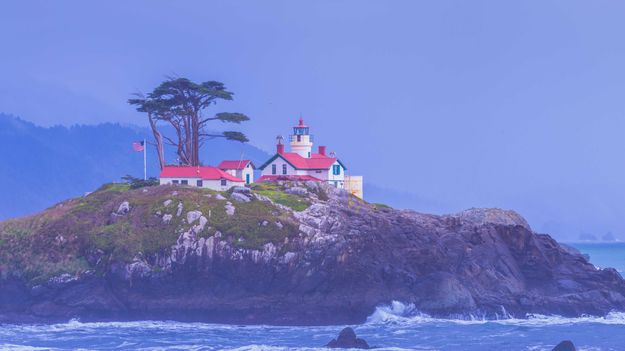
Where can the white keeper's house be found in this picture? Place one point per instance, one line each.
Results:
(301, 163)
(201, 176)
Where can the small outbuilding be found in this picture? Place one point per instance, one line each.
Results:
(242, 169)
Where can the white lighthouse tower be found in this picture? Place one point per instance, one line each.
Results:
(301, 140)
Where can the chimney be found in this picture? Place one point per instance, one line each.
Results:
(322, 150)
(280, 149)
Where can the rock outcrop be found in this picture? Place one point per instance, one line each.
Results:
(312, 255)
(566, 345)
(347, 340)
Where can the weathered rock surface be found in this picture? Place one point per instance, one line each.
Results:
(347, 340)
(343, 258)
(566, 345)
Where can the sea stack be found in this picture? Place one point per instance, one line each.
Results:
(347, 340)
(566, 345)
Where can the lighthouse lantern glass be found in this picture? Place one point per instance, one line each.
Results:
(300, 130)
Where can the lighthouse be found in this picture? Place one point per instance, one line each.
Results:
(301, 140)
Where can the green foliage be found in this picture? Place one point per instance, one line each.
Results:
(136, 183)
(182, 104)
(58, 240)
(115, 187)
(277, 195)
(253, 225)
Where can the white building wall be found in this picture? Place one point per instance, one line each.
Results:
(279, 162)
(248, 170)
(323, 174)
(208, 184)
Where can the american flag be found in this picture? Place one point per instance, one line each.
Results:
(138, 146)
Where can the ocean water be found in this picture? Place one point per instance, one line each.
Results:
(393, 327)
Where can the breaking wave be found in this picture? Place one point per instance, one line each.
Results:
(399, 313)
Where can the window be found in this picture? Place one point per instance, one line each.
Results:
(283, 169)
(273, 169)
(318, 171)
(175, 181)
(336, 169)
(200, 183)
(299, 137)
(224, 182)
(309, 154)
(184, 182)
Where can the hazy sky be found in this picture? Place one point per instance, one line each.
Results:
(514, 104)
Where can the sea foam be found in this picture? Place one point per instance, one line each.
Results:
(400, 313)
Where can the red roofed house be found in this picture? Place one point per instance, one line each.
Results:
(303, 164)
(202, 176)
(242, 169)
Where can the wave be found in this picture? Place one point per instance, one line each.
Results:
(399, 313)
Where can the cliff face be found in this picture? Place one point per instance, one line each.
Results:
(282, 254)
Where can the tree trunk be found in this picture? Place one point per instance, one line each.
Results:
(159, 142)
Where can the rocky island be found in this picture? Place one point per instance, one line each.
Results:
(291, 253)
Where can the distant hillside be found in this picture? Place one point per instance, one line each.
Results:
(41, 166)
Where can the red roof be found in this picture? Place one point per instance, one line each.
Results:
(273, 178)
(203, 172)
(233, 164)
(316, 161)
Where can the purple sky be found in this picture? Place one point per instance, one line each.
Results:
(467, 103)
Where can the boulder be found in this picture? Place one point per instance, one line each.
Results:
(167, 218)
(192, 216)
(565, 345)
(123, 208)
(229, 208)
(347, 340)
(241, 189)
(240, 197)
(296, 190)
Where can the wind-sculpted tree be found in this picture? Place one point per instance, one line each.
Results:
(182, 104)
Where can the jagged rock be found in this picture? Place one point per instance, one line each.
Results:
(123, 208)
(241, 189)
(192, 216)
(62, 279)
(240, 197)
(347, 340)
(167, 218)
(310, 268)
(201, 225)
(229, 208)
(180, 209)
(483, 216)
(219, 197)
(296, 190)
(167, 202)
(565, 345)
(60, 239)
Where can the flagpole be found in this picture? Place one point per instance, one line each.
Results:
(145, 160)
